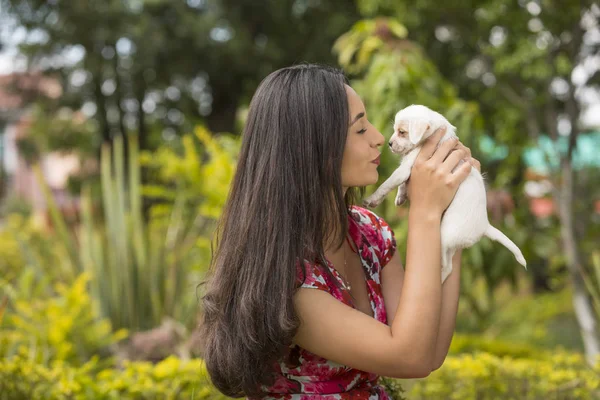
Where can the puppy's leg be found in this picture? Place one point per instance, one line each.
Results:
(447, 255)
(399, 176)
(402, 194)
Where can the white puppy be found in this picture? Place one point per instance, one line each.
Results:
(465, 220)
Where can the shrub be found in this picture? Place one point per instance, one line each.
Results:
(62, 328)
(480, 376)
(172, 378)
(484, 376)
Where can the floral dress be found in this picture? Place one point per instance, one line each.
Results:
(302, 375)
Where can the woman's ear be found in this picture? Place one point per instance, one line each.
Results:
(416, 130)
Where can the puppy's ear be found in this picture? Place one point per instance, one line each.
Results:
(416, 130)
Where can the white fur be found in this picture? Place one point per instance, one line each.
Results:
(465, 220)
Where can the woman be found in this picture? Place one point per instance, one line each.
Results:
(289, 227)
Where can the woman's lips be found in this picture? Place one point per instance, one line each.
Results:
(376, 161)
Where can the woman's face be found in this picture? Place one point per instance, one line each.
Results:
(361, 154)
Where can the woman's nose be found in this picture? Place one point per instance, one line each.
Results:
(380, 139)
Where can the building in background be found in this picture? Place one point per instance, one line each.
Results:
(17, 180)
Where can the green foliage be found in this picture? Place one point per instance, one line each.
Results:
(146, 270)
(171, 378)
(202, 170)
(200, 173)
(25, 245)
(12, 260)
(356, 47)
(593, 281)
(149, 269)
(540, 321)
(63, 327)
(59, 130)
(464, 377)
(485, 268)
(393, 387)
(367, 51)
(14, 204)
(484, 376)
(171, 55)
(536, 315)
(508, 56)
(472, 344)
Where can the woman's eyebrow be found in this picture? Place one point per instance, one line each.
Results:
(358, 116)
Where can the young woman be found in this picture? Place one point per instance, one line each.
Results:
(289, 227)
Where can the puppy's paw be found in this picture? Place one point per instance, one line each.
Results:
(446, 273)
(371, 202)
(400, 199)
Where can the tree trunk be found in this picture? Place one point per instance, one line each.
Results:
(541, 277)
(101, 109)
(581, 301)
(142, 138)
(224, 107)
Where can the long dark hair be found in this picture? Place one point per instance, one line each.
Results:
(286, 203)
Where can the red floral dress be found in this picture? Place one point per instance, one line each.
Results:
(306, 376)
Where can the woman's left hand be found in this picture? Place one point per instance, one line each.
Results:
(474, 162)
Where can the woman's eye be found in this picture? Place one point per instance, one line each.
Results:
(362, 130)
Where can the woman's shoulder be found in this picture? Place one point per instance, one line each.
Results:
(363, 217)
(311, 274)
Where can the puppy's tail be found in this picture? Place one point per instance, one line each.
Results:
(500, 237)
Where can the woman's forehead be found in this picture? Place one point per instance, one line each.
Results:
(354, 102)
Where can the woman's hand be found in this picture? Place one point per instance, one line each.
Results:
(432, 184)
(474, 162)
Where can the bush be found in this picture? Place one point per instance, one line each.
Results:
(483, 376)
(172, 378)
(62, 328)
(24, 244)
(462, 344)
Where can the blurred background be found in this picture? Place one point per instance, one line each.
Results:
(120, 126)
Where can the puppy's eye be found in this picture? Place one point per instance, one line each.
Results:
(401, 132)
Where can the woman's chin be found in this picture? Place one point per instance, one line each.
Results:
(372, 180)
(366, 179)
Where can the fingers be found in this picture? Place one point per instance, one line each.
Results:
(442, 152)
(461, 173)
(461, 153)
(476, 164)
(430, 144)
(463, 147)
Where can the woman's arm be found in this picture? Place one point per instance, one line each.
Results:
(407, 348)
(450, 295)
(392, 280)
(420, 303)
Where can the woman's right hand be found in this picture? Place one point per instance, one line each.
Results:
(432, 184)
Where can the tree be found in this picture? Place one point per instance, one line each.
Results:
(519, 61)
(159, 67)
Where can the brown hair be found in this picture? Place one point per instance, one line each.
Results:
(285, 201)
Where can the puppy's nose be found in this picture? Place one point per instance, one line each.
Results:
(390, 143)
